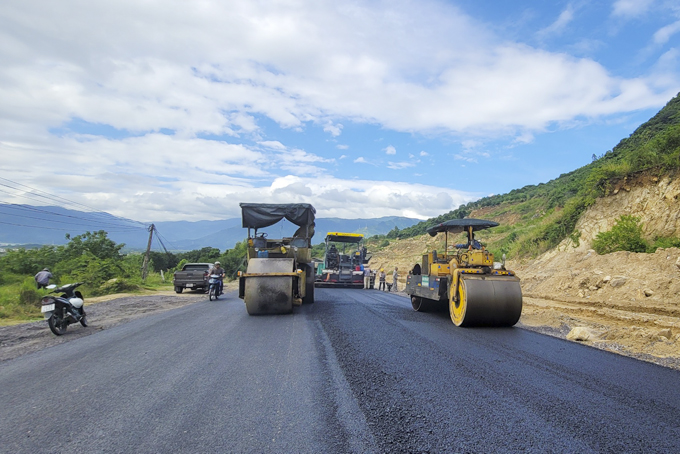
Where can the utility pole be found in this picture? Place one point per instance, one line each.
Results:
(145, 265)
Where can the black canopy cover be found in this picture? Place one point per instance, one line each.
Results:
(461, 225)
(258, 215)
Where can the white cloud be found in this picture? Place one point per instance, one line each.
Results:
(216, 68)
(665, 33)
(352, 199)
(194, 188)
(342, 147)
(390, 150)
(273, 144)
(463, 157)
(560, 24)
(360, 160)
(524, 138)
(631, 8)
(399, 165)
(471, 154)
(334, 130)
(424, 153)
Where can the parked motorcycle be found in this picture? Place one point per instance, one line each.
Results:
(214, 285)
(60, 311)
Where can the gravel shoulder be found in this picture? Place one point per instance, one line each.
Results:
(102, 313)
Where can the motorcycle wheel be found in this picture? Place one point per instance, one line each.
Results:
(57, 325)
(83, 321)
(212, 293)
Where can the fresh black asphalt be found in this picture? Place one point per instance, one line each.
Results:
(358, 371)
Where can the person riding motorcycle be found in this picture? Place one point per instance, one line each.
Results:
(218, 271)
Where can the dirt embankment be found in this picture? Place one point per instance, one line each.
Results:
(623, 302)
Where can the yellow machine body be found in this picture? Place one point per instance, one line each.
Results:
(476, 290)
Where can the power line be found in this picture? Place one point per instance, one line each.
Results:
(118, 228)
(94, 218)
(33, 226)
(46, 195)
(159, 236)
(158, 239)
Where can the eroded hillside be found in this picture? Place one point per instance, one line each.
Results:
(652, 199)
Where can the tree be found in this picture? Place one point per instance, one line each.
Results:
(394, 233)
(96, 243)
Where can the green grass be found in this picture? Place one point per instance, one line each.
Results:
(20, 299)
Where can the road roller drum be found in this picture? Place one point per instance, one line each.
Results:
(487, 301)
(268, 293)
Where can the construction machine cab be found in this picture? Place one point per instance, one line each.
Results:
(472, 253)
(260, 215)
(343, 262)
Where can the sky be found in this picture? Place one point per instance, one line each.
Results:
(179, 110)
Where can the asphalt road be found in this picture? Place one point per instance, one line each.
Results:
(358, 371)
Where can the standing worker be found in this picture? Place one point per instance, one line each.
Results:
(367, 278)
(42, 279)
(395, 275)
(381, 286)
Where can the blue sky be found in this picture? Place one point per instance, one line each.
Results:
(180, 110)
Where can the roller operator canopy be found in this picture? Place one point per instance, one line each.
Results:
(258, 215)
(339, 237)
(461, 225)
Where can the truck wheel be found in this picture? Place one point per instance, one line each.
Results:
(420, 304)
(179, 289)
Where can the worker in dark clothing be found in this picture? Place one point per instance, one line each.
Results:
(474, 243)
(42, 279)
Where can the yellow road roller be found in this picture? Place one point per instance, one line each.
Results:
(477, 290)
(280, 273)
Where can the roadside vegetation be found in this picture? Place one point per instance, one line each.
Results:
(97, 261)
(626, 235)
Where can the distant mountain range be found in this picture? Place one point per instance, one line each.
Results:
(38, 225)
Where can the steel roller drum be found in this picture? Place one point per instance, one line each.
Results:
(269, 294)
(488, 301)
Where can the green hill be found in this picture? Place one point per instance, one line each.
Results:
(536, 218)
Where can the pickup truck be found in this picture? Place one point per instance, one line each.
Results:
(193, 276)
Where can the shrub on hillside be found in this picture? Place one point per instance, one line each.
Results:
(116, 285)
(664, 243)
(625, 235)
